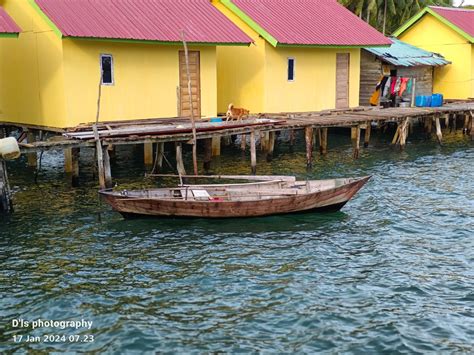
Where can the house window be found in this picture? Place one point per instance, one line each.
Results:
(107, 69)
(291, 69)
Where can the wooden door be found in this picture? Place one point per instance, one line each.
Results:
(342, 80)
(195, 74)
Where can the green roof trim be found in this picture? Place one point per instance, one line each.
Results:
(177, 43)
(9, 35)
(433, 13)
(251, 23)
(46, 18)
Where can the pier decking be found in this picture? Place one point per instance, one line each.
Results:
(105, 135)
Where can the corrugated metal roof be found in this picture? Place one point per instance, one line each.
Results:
(310, 22)
(462, 18)
(7, 25)
(149, 20)
(402, 54)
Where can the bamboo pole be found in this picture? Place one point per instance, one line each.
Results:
(100, 158)
(253, 153)
(107, 169)
(308, 135)
(193, 123)
(355, 136)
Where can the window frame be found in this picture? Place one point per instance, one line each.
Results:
(288, 69)
(112, 73)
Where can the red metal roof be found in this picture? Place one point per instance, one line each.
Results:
(462, 18)
(149, 20)
(311, 22)
(7, 25)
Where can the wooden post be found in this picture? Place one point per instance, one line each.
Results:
(71, 164)
(355, 137)
(216, 146)
(323, 141)
(243, 142)
(107, 169)
(467, 125)
(270, 146)
(179, 159)
(253, 153)
(148, 154)
(439, 135)
(160, 152)
(207, 154)
(471, 129)
(6, 205)
(368, 130)
(32, 157)
(292, 138)
(100, 158)
(429, 125)
(308, 136)
(413, 92)
(403, 133)
(264, 138)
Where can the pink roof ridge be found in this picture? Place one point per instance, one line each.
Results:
(146, 20)
(460, 17)
(7, 25)
(306, 22)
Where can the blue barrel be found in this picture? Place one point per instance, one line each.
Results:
(428, 100)
(419, 101)
(436, 100)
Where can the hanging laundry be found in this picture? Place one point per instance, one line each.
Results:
(386, 89)
(403, 86)
(392, 85)
(397, 86)
(409, 86)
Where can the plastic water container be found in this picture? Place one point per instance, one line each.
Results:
(436, 100)
(9, 148)
(420, 101)
(216, 120)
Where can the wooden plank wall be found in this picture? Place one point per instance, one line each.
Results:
(371, 70)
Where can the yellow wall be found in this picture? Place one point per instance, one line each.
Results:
(240, 70)
(146, 77)
(51, 82)
(31, 71)
(454, 81)
(255, 77)
(314, 87)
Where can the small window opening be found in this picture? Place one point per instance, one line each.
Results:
(291, 69)
(107, 67)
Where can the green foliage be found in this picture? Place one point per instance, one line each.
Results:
(397, 11)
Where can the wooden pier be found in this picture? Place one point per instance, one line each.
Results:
(315, 125)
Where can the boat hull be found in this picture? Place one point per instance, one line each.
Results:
(328, 200)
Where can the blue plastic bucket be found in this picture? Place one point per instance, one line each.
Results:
(216, 119)
(436, 100)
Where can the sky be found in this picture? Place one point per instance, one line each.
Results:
(467, 2)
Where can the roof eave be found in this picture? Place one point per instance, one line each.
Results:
(332, 46)
(132, 40)
(430, 11)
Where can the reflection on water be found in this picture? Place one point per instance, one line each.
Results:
(391, 272)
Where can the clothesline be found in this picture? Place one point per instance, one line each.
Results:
(390, 87)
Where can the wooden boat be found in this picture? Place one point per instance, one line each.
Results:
(273, 195)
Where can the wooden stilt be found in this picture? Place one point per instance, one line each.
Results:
(439, 134)
(368, 130)
(271, 145)
(243, 142)
(216, 146)
(308, 135)
(264, 138)
(446, 121)
(403, 133)
(429, 126)
(100, 158)
(112, 151)
(323, 141)
(160, 152)
(6, 204)
(148, 154)
(71, 164)
(397, 132)
(107, 169)
(471, 129)
(355, 137)
(292, 138)
(179, 159)
(253, 153)
(207, 154)
(466, 126)
(32, 157)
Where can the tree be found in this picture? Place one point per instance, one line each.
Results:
(388, 15)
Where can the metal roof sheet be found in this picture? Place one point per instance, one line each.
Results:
(405, 55)
(148, 20)
(462, 18)
(310, 22)
(7, 25)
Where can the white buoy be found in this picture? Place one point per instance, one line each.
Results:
(9, 149)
